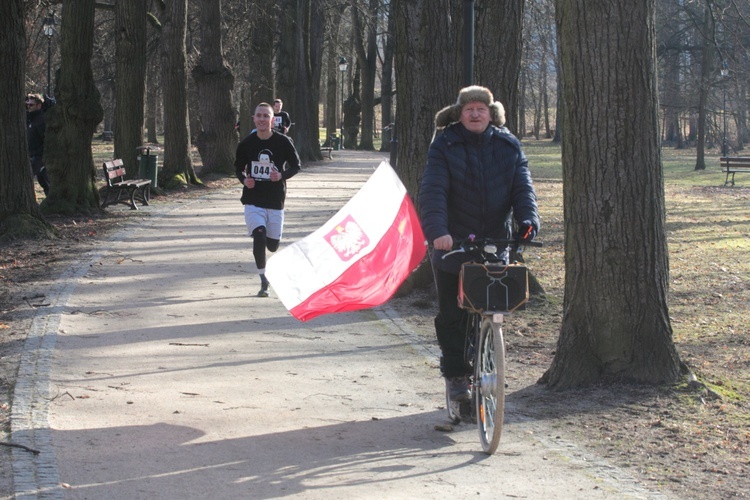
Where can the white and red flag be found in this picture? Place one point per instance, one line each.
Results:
(357, 259)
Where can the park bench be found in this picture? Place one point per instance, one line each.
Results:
(734, 165)
(119, 190)
(327, 149)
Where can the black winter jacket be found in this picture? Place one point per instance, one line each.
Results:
(35, 128)
(471, 184)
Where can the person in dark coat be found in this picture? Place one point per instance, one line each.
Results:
(477, 177)
(35, 128)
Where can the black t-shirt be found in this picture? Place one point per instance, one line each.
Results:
(255, 158)
(281, 121)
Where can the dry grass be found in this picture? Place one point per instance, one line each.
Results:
(708, 231)
(678, 439)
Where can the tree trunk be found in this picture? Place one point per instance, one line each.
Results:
(522, 105)
(615, 318)
(497, 54)
(365, 42)
(318, 28)
(217, 139)
(72, 122)
(427, 78)
(19, 213)
(299, 67)
(671, 99)
(309, 67)
(130, 84)
(332, 77)
(386, 81)
(706, 68)
(152, 100)
(286, 62)
(740, 114)
(352, 113)
(177, 166)
(262, 85)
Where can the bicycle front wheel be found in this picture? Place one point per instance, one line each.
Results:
(489, 379)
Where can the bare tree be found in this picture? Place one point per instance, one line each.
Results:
(258, 56)
(309, 66)
(365, 43)
(705, 83)
(217, 140)
(497, 61)
(130, 84)
(19, 213)
(615, 318)
(386, 80)
(286, 69)
(334, 34)
(427, 77)
(178, 166)
(152, 100)
(299, 64)
(73, 121)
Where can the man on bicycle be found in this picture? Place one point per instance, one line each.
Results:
(476, 177)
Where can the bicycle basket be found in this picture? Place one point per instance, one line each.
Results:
(496, 288)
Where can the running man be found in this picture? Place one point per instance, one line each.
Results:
(265, 160)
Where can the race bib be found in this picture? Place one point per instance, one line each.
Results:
(261, 170)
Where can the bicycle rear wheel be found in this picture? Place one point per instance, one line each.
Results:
(489, 379)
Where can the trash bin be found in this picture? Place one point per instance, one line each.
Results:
(147, 166)
(336, 143)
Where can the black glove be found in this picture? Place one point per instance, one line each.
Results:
(526, 232)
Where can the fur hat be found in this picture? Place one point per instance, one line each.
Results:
(474, 93)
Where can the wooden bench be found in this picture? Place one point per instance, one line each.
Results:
(734, 165)
(328, 150)
(119, 190)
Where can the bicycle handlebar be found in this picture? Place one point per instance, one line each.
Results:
(489, 246)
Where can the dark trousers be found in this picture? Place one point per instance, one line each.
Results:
(260, 242)
(43, 181)
(450, 326)
(40, 171)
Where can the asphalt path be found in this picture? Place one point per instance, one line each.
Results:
(158, 374)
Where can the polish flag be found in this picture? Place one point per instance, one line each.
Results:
(357, 259)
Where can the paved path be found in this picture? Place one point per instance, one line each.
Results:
(159, 374)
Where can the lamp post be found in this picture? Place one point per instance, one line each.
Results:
(49, 31)
(724, 77)
(343, 65)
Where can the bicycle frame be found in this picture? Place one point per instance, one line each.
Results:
(484, 348)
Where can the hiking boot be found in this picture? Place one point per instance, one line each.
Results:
(458, 389)
(263, 290)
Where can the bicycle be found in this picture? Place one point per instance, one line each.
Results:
(489, 289)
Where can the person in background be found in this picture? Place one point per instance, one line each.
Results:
(476, 177)
(265, 160)
(281, 120)
(35, 128)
